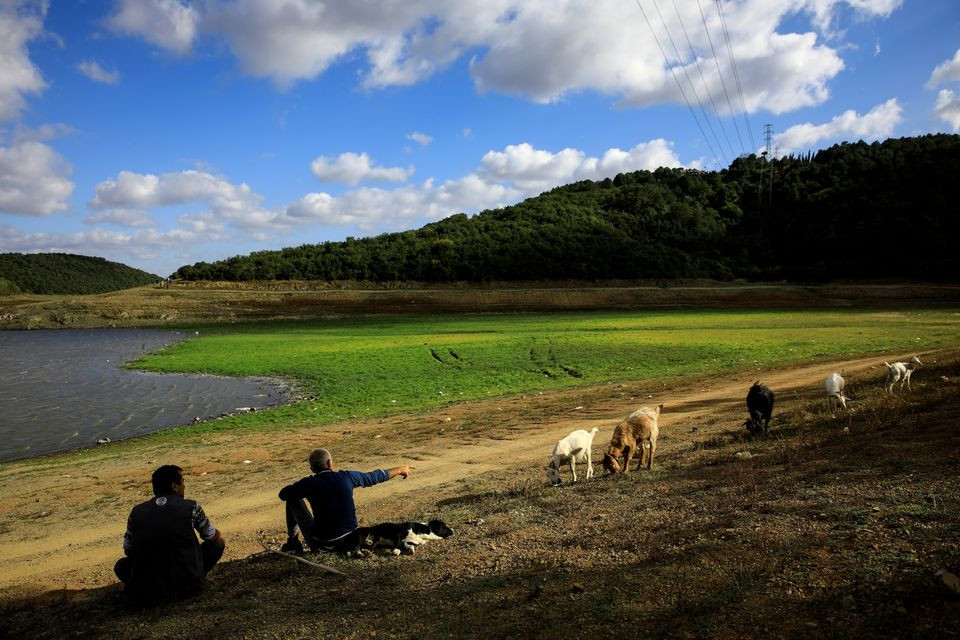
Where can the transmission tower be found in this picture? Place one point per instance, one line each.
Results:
(768, 136)
(771, 153)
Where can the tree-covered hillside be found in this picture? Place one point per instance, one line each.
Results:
(851, 211)
(67, 273)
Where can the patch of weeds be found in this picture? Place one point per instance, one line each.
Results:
(916, 511)
(714, 442)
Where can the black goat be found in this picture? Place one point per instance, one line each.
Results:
(760, 407)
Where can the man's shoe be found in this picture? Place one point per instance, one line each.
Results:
(292, 545)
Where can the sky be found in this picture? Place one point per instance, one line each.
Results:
(160, 133)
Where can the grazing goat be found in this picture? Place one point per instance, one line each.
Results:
(900, 371)
(570, 450)
(760, 408)
(835, 395)
(639, 429)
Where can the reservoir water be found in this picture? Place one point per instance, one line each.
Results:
(63, 389)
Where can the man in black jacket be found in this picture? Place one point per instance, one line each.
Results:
(163, 558)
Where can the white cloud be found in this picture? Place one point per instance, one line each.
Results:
(420, 138)
(236, 203)
(93, 70)
(20, 22)
(947, 108)
(205, 223)
(533, 170)
(504, 177)
(530, 168)
(948, 71)
(170, 24)
(146, 245)
(878, 123)
(42, 133)
(824, 10)
(352, 168)
(646, 155)
(121, 217)
(540, 49)
(33, 180)
(371, 209)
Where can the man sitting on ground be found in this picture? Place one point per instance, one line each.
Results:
(333, 524)
(163, 558)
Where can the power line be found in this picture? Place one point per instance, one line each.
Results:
(677, 80)
(696, 95)
(703, 79)
(736, 74)
(716, 60)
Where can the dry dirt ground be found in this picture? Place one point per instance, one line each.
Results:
(225, 302)
(833, 527)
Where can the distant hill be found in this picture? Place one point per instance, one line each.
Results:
(855, 210)
(66, 273)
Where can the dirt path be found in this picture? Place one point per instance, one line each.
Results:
(61, 526)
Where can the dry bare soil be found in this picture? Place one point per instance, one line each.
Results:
(225, 302)
(832, 528)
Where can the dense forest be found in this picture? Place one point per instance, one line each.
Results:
(855, 210)
(66, 273)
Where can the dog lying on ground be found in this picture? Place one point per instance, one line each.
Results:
(402, 537)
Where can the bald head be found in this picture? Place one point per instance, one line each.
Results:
(319, 460)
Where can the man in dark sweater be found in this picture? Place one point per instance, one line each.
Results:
(163, 558)
(333, 524)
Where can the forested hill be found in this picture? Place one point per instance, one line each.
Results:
(857, 210)
(66, 273)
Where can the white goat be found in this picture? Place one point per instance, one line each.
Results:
(835, 395)
(900, 371)
(570, 450)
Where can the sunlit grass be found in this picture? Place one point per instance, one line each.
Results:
(373, 366)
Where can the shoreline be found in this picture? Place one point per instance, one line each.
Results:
(192, 305)
(123, 393)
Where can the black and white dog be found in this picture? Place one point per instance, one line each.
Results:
(402, 537)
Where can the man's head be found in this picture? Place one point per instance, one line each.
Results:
(320, 460)
(168, 479)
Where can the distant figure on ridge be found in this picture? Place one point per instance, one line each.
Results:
(163, 558)
(333, 524)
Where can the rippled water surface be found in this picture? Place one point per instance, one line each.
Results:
(63, 389)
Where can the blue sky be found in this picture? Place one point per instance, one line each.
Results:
(160, 133)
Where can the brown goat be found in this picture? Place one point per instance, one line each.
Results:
(639, 429)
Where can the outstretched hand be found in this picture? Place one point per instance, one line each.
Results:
(400, 471)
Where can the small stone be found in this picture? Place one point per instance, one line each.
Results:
(948, 579)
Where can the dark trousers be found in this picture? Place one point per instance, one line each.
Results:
(210, 552)
(298, 516)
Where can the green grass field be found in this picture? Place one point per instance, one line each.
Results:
(365, 367)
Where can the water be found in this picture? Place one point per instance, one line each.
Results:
(64, 389)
